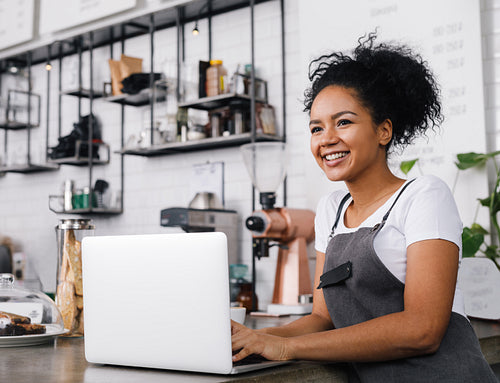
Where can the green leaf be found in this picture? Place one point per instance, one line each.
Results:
(471, 242)
(491, 252)
(478, 229)
(470, 160)
(492, 154)
(406, 166)
(487, 201)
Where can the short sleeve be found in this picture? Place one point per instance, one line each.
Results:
(326, 212)
(432, 213)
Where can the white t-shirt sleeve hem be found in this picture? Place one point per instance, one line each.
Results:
(432, 213)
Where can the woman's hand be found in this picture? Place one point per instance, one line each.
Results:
(247, 342)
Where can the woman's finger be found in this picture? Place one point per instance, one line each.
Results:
(242, 354)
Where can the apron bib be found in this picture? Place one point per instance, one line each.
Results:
(358, 287)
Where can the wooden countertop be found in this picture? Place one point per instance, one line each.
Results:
(63, 360)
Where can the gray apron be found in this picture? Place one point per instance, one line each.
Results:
(358, 287)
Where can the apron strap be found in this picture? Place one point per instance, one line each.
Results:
(339, 212)
(377, 226)
(396, 200)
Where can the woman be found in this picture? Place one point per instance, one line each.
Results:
(388, 249)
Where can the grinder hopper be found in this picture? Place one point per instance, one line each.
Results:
(266, 165)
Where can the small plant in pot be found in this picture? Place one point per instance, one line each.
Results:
(473, 237)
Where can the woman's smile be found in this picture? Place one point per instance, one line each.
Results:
(345, 141)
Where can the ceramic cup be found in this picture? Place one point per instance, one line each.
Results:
(238, 314)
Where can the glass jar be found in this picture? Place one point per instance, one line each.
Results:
(216, 78)
(69, 293)
(25, 313)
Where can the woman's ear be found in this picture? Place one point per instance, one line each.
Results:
(384, 131)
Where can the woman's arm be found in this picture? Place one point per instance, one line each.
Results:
(318, 320)
(432, 267)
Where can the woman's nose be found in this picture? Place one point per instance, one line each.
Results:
(329, 137)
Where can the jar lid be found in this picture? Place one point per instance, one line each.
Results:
(215, 62)
(76, 224)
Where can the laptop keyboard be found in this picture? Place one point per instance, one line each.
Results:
(251, 359)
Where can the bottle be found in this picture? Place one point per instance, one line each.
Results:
(68, 195)
(216, 78)
(245, 298)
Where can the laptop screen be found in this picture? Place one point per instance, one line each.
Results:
(159, 301)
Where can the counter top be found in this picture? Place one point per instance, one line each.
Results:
(63, 360)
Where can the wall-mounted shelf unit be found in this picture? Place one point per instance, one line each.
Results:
(143, 98)
(139, 25)
(12, 111)
(201, 144)
(214, 102)
(91, 151)
(83, 160)
(84, 93)
(13, 123)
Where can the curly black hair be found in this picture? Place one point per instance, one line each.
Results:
(391, 81)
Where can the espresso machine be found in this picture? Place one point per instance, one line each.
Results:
(289, 229)
(196, 218)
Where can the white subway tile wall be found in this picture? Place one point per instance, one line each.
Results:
(152, 184)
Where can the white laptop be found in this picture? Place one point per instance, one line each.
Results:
(159, 301)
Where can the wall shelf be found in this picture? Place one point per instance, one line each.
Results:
(142, 98)
(15, 122)
(228, 99)
(12, 121)
(14, 125)
(93, 210)
(197, 145)
(78, 160)
(29, 168)
(83, 93)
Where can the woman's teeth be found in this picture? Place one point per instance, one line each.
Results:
(330, 157)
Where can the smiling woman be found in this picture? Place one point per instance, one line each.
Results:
(388, 249)
(344, 139)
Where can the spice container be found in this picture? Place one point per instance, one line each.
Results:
(216, 78)
(69, 293)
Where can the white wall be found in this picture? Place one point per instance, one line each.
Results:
(152, 184)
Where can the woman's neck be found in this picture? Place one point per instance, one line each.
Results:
(369, 194)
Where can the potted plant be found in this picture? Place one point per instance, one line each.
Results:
(473, 237)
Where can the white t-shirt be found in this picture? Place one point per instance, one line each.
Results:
(425, 210)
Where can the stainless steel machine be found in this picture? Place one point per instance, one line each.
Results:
(202, 220)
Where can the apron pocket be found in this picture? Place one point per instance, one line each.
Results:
(336, 275)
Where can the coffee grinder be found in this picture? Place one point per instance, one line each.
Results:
(289, 229)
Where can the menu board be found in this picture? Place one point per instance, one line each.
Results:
(479, 280)
(447, 35)
(16, 22)
(77, 12)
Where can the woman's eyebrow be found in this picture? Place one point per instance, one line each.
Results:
(333, 117)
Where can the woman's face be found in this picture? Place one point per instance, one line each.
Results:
(345, 141)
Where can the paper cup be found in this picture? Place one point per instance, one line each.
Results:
(238, 314)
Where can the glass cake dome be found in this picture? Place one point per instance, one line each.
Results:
(27, 317)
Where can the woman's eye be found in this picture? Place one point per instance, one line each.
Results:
(315, 129)
(343, 122)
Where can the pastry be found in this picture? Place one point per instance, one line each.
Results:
(66, 301)
(72, 250)
(13, 325)
(69, 296)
